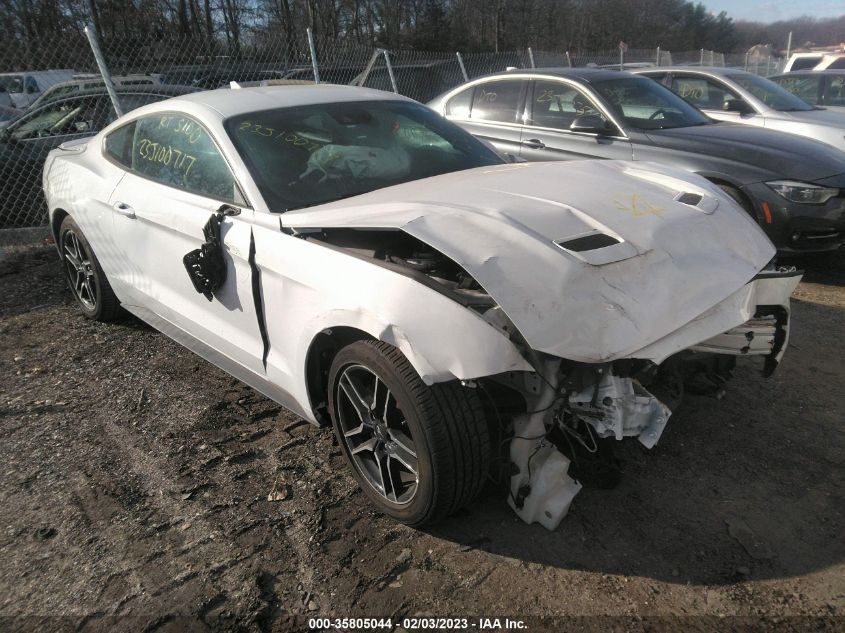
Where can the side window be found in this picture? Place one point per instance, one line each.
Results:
(803, 63)
(459, 105)
(118, 145)
(835, 93)
(497, 101)
(838, 64)
(556, 105)
(176, 150)
(702, 93)
(804, 87)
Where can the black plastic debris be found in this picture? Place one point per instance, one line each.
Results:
(205, 265)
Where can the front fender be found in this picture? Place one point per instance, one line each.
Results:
(308, 288)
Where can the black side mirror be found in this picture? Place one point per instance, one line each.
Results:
(589, 124)
(736, 105)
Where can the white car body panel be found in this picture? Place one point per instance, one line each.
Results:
(629, 299)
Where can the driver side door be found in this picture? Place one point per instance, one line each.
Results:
(711, 96)
(176, 179)
(552, 107)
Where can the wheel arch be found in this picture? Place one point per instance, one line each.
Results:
(57, 216)
(318, 361)
(723, 181)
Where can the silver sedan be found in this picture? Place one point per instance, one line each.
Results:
(729, 94)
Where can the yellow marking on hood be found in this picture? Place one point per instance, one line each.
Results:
(637, 207)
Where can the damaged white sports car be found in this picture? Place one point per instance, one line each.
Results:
(366, 263)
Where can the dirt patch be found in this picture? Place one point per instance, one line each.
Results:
(136, 479)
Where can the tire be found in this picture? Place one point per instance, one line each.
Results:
(445, 425)
(740, 199)
(85, 276)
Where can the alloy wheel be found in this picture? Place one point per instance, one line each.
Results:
(376, 435)
(80, 270)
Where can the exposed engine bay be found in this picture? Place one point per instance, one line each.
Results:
(556, 427)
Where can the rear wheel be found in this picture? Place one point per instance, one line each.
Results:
(419, 453)
(84, 274)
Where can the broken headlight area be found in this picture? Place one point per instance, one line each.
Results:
(409, 256)
(562, 439)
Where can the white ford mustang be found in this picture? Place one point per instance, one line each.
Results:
(369, 265)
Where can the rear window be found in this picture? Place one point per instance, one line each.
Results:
(460, 105)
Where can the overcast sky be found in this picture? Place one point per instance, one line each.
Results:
(773, 10)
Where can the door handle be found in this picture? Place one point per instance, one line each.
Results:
(534, 143)
(124, 209)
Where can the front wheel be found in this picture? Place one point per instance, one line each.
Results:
(419, 453)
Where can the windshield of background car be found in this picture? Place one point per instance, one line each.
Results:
(646, 105)
(771, 94)
(50, 121)
(11, 83)
(309, 155)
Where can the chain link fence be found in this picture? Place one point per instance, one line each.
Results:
(52, 92)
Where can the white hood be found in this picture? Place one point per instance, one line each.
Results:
(671, 264)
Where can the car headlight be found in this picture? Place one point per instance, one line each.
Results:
(803, 192)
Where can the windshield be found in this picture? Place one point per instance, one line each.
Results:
(771, 94)
(11, 83)
(645, 104)
(309, 155)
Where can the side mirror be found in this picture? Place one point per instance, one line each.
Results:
(736, 105)
(589, 124)
(31, 90)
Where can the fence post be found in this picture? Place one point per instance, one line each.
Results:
(746, 62)
(313, 50)
(366, 74)
(701, 61)
(390, 69)
(568, 59)
(657, 59)
(531, 57)
(104, 71)
(621, 58)
(461, 64)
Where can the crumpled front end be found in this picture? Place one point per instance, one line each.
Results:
(576, 410)
(621, 286)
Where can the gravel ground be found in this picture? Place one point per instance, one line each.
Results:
(136, 477)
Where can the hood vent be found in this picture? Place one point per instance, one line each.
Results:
(588, 242)
(705, 204)
(692, 199)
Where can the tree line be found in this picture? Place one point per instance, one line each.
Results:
(467, 25)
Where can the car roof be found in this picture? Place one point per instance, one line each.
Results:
(711, 70)
(172, 89)
(231, 102)
(584, 74)
(810, 71)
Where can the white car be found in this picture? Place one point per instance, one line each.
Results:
(730, 94)
(815, 61)
(25, 87)
(368, 264)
